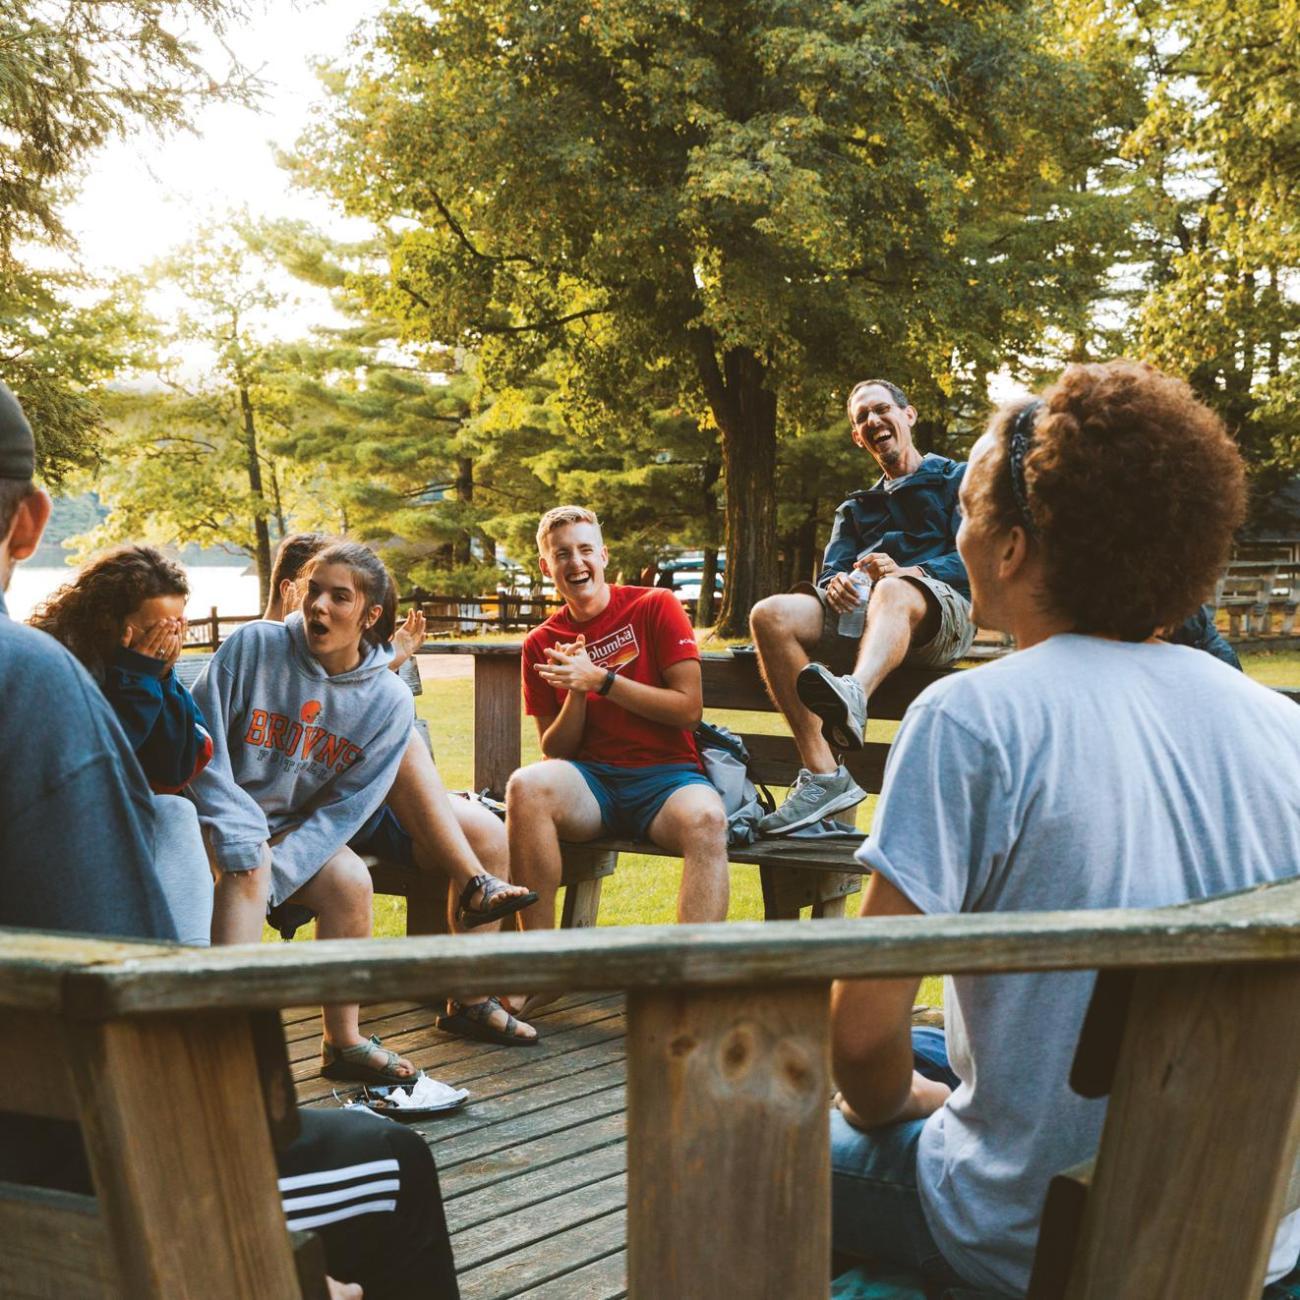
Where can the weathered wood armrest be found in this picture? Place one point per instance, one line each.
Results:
(179, 1114)
(1202, 1065)
(728, 1037)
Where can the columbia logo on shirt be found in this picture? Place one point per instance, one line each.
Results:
(616, 649)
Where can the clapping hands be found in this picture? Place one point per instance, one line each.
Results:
(570, 667)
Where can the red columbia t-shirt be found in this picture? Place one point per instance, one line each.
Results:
(642, 631)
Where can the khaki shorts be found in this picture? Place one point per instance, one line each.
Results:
(951, 641)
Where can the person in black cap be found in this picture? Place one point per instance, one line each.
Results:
(76, 854)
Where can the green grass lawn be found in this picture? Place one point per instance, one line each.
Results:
(644, 889)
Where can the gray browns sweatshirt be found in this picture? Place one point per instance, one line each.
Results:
(294, 750)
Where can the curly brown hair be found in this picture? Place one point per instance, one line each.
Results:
(89, 613)
(1134, 489)
(373, 583)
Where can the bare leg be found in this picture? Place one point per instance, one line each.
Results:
(239, 901)
(901, 613)
(785, 629)
(692, 822)
(437, 825)
(340, 895)
(420, 802)
(546, 802)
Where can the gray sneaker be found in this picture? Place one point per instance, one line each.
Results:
(838, 702)
(813, 796)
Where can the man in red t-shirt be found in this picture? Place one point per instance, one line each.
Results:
(613, 680)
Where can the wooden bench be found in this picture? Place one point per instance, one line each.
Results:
(1252, 591)
(795, 873)
(1194, 1032)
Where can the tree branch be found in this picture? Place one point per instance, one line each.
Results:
(458, 230)
(541, 325)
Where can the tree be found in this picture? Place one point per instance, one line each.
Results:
(758, 199)
(188, 457)
(71, 76)
(426, 460)
(1218, 149)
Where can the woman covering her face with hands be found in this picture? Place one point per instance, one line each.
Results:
(123, 616)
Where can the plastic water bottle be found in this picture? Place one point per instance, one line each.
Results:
(854, 621)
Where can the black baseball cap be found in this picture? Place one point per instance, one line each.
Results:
(17, 446)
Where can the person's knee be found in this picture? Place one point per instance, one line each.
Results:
(794, 617)
(702, 823)
(764, 615)
(907, 603)
(896, 594)
(486, 834)
(535, 789)
(772, 616)
(348, 879)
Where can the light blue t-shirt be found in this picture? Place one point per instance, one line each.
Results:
(1081, 773)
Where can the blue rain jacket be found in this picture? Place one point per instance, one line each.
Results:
(916, 524)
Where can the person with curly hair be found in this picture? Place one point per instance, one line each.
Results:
(123, 617)
(1095, 767)
(76, 854)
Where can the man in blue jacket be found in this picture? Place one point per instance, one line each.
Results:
(901, 533)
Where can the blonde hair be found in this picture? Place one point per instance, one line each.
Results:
(561, 517)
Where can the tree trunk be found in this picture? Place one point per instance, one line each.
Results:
(708, 576)
(704, 607)
(807, 560)
(277, 503)
(464, 551)
(745, 413)
(261, 532)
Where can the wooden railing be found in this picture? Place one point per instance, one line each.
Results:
(728, 1053)
(208, 633)
(1253, 593)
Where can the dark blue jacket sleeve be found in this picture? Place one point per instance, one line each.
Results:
(160, 718)
(1199, 632)
(841, 552)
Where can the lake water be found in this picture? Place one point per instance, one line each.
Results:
(229, 587)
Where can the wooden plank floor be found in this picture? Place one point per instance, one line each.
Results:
(533, 1166)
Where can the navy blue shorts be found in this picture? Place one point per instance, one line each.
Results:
(382, 834)
(630, 797)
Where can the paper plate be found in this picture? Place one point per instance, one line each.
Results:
(376, 1098)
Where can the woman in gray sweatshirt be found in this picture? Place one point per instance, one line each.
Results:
(308, 729)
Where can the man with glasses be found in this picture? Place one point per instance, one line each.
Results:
(901, 533)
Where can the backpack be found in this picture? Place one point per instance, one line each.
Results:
(726, 764)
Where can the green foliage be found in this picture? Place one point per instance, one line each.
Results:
(1219, 152)
(72, 75)
(749, 201)
(57, 356)
(189, 459)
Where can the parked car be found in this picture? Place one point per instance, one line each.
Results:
(687, 583)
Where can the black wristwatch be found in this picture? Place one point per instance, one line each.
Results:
(604, 689)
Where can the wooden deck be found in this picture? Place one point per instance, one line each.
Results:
(533, 1166)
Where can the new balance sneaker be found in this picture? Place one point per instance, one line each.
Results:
(813, 796)
(838, 702)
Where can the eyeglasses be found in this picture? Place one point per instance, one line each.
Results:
(881, 408)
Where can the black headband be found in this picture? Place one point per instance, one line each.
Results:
(1022, 435)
